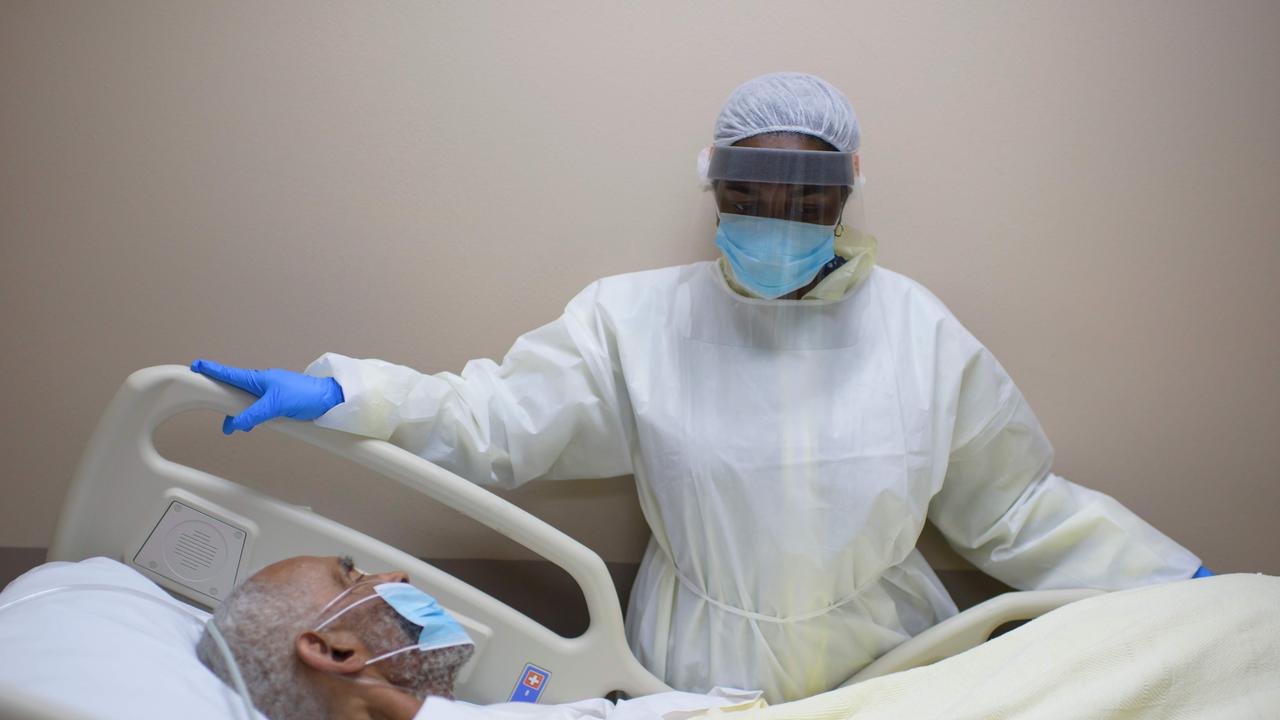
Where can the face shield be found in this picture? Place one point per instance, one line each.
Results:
(785, 214)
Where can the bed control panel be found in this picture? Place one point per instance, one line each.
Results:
(197, 551)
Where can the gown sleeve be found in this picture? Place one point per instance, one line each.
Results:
(551, 409)
(1002, 509)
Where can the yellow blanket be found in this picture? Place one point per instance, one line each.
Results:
(1207, 648)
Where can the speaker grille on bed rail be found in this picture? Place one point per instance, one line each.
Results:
(196, 550)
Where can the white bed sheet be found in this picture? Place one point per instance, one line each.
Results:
(108, 654)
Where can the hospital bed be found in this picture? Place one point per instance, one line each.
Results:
(197, 535)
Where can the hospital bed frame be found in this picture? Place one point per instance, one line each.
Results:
(124, 496)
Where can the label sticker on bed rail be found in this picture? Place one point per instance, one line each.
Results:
(532, 681)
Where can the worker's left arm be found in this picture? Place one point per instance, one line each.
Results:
(1003, 510)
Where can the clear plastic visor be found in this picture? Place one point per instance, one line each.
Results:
(809, 186)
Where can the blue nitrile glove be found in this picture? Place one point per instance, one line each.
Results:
(1203, 572)
(281, 393)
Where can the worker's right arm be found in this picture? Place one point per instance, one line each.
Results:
(553, 408)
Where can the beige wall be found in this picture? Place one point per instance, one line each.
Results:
(1092, 188)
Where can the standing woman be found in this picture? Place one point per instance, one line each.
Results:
(792, 414)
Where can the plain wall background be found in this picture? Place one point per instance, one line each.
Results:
(1092, 187)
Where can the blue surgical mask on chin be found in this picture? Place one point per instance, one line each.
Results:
(772, 257)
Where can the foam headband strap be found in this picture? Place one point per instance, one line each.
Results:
(772, 165)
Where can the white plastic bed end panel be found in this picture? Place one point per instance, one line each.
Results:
(123, 487)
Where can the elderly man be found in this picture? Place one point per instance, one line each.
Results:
(314, 637)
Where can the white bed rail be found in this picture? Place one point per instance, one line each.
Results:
(968, 630)
(123, 486)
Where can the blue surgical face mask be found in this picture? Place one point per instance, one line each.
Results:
(437, 629)
(772, 257)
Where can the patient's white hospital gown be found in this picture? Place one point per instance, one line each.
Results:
(787, 456)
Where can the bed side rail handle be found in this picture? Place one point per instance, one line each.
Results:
(968, 630)
(160, 392)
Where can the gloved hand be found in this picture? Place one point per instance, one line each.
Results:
(281, 393)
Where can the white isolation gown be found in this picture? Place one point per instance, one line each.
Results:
(787, 454)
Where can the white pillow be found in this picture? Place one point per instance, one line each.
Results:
(105, 653)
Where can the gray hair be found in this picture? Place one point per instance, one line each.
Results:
(260, 622)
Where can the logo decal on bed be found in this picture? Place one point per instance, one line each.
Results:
(529, 688)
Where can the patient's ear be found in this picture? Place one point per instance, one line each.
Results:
(337, 652)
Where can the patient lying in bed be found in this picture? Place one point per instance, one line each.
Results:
(295, 665)
(1210, 646)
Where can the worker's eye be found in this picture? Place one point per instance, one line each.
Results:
(817, 211)
(739, 198)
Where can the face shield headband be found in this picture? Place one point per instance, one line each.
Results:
(773, 165)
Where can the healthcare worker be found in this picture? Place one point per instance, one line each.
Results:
(792, 415)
